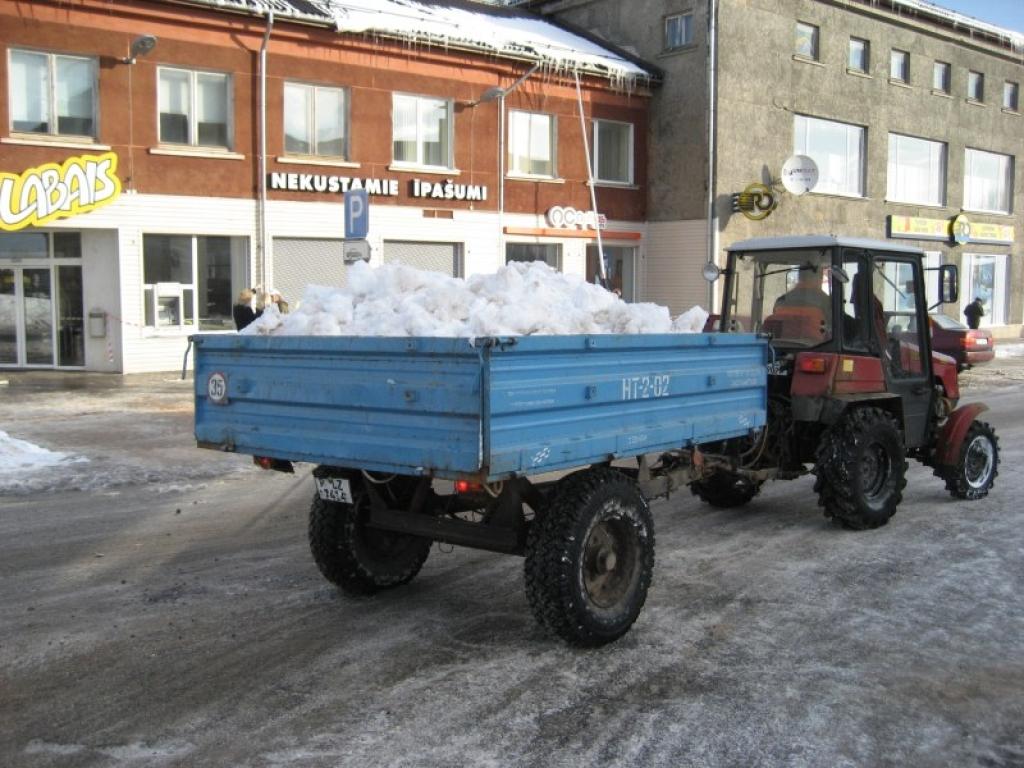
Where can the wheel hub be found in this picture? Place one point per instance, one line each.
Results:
(874, 469)
(610, 557)
(978, 461)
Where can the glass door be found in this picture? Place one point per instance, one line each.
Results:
(8, 318)
(37, 303)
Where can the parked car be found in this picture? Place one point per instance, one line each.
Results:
(968, 346)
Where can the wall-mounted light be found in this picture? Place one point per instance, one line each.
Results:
(141, 46)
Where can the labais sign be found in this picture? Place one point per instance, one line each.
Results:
(756, 202)
(57, 190)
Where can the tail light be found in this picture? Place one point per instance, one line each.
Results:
(974, 339)
(464, 486)
(813, 364)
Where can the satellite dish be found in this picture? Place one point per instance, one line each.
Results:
(799, 174)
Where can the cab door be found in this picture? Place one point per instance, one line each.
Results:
(902, 336)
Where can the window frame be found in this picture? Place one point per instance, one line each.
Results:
(946, 86)
(418, 163)
(976, 78)
(193, 124)
(182, 289)
(815, 54)
(632, 153)
(1010, 86)
(346, 114)
(552, 143)
(904, 75)
(893, 197)
(862, 175)
(689, 26)
(865, 54)
(1009, 179)
(52, 131)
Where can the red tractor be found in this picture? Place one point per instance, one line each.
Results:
(854, 387)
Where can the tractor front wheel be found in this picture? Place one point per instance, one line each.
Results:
(861, 469)
(977, 466)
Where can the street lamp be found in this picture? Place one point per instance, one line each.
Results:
(141, 46)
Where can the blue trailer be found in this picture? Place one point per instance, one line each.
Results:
(442, 439)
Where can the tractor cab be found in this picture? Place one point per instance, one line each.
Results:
(847, 318)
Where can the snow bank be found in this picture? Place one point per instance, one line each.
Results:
(520, 299)
(22, 456)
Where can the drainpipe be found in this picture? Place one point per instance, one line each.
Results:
(263, 151)
(712, 245)
(601, 271)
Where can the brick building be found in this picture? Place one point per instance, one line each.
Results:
(139, 193)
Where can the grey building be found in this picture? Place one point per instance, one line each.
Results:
(911, 113)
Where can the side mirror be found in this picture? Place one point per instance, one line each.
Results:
(949, 284)
(711, 271)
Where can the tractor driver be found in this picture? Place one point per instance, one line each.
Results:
(807, 293)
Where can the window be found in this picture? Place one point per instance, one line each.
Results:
(52, 93)
(806, 40)
(531, 144)
(315, 120)
(678, 31)
(1011, 96)
(551, 253)
(613, 151)
(899, 66)
(975, 86)
(917, 171)
(859, 57)
(838, 150)
(186, 276)
(988, 181)
(421, 129)
(194, 108)
(986, 277)
(619, 268)
(941, 77)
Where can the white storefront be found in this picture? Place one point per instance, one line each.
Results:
(122, 287)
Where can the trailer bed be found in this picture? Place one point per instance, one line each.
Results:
(487, 409)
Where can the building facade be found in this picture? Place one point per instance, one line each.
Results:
(140, 192)
(912, 115)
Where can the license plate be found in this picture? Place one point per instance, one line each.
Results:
(334, 489)
(981, 341)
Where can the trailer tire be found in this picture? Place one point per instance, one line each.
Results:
(358, 559)
(977, 465)
(590, 558)
(861, 469)
(725, 490)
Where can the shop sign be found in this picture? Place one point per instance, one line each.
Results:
(316, 182)
(58, 190)
(448, 190)
(756, 202)
(960, 230)
(567, 217)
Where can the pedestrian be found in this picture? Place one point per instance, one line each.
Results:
(276, 298)
(242, 312)
(974, 312)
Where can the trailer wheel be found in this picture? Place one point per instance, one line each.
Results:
(361, 560)
(590, 557)
(975, 471)
(861, 469)
(725, 490)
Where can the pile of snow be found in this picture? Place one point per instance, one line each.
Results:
(18, 456)
(520, 299)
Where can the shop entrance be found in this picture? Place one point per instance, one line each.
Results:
(41, 317)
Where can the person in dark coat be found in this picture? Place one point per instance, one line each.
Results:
(974, 312)
(242, 312)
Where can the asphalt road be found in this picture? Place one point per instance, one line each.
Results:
(181, 622)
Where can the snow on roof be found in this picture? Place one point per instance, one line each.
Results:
(499, 31)
(1014, 39)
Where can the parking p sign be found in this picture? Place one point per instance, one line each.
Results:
(357, 214)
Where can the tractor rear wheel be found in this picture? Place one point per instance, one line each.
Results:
(977, 466)
(589, 558)
(359, 559)
(861, 469)
(725, 490)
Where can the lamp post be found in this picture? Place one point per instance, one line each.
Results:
(499, 94)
